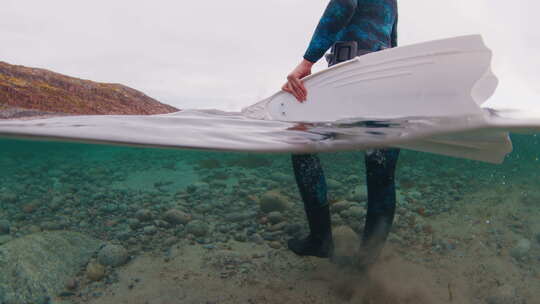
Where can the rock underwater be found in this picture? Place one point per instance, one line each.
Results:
(36, 267)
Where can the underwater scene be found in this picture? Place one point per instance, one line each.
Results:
(83, 223)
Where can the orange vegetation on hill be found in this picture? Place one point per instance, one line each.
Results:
(43, 90)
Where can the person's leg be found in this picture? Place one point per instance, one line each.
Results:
(312, 186)
(380, 175)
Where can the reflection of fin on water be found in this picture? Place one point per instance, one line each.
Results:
(424, 97)
(484, 146)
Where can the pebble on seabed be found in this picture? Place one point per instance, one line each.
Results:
(144, 215)
(4, 227)
(176, 217)
(341, 206)
(113, 255)
(150, 229)
(95, 271)
(273, 201)
(275, 217)
(72, 284)
(197, 227)
(274, 244)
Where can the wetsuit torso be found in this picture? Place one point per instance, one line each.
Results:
(371, 23)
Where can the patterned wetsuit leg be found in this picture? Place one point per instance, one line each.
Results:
(373, 25)
(380, 179)
(310, 180)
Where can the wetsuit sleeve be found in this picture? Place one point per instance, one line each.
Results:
(337, 15)
(393, 38)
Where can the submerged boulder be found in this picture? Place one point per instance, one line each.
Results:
(273, 201)
(36, 267)
(113, 255)
(4, 227)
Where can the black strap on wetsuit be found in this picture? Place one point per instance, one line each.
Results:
(343, 51)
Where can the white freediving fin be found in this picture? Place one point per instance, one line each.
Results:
(442, 78)
(486, 146)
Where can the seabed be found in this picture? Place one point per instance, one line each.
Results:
(83, 223)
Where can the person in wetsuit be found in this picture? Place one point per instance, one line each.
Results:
(369, 26)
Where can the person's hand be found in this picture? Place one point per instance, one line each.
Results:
(295, 85)
(300, 127)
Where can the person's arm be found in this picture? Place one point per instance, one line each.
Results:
(393, 38)
(337, 15)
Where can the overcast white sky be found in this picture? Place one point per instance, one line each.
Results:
(230, 54)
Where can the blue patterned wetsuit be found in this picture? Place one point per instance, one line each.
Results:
(372, 24)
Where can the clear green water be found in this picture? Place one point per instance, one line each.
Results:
(446, 206)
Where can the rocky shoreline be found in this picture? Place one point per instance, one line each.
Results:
(7, 112)
(47, 91)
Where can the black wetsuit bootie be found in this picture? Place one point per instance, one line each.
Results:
(319, 242)
(380, 177)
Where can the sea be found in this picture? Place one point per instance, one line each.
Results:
(102, 223)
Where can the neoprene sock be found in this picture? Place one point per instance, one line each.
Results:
(380, 173)
(319, 242)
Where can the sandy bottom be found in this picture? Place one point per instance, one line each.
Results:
(195, 275)
(476, 271)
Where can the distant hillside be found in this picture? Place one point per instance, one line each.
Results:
(43, 90)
